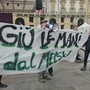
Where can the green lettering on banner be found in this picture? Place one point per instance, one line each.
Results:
(12, 39)
(57, 57)
(44, 45)
(11, 65)
(52, 58)
(71, 40)
(44, 56)
(19, 65)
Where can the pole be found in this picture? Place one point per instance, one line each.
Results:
(58, 7)
(58, 10)
(47, 9)
(64, 7)
(86, 11)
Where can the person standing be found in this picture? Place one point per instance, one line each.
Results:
(87, 51)
(1, 84)
(75, 28)
(78, 60)
(43, 75)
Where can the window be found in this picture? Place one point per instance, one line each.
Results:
(25, 14)
(41, 18)
(72, 8)
(62, 19)
(81, 5)
(32, 25)
(62, 26)
(81, 8)
(31, 19)
(71, 26)
(71, 19)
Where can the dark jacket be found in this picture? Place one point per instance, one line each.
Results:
(87, 43)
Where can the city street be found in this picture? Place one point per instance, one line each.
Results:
(67, 76)
(36, 34)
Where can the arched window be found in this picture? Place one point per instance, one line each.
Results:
(52, 21)
(80, 21)
(20, 21)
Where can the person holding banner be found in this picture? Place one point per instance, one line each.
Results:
(50, 70)
(87, 50)
(43, 75)
(1, 84)
(78, 60)
(75, 28)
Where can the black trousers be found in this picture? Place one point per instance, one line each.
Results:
(87, 50)
(0, 78)
(50, 70)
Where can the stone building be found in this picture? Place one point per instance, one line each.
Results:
(64, 12)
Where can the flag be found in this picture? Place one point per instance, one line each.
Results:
(38, 11)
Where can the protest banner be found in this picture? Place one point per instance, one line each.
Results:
(24, 49)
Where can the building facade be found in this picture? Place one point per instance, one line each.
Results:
(64, 12)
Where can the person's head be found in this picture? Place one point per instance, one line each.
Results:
(43, 23)
(75, 27)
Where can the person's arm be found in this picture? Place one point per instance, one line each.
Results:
(86, 41)
(84, 44)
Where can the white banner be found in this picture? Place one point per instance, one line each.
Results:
(30, 50)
